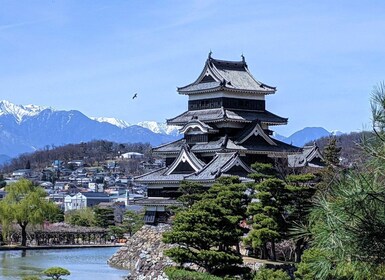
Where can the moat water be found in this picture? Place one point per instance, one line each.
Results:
(85, 263)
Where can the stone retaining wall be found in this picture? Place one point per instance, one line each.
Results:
(143, 254)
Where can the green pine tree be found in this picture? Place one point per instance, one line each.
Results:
(207, 232)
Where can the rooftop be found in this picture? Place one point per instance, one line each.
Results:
(221, 114)
(228, 76)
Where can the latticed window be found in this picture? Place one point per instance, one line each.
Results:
(198, 138)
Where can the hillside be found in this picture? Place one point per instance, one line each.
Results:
(306, 135)
(91, 153)
(351, 145)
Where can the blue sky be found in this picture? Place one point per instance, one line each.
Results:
(324, 57)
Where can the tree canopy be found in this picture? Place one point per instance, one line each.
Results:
(25, 204)
(56, 272)
(348, 218)
(207, 232)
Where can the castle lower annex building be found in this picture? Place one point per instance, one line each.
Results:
(226, 129)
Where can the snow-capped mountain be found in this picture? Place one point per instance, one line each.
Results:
(161, 128)
(29, 128)
(156, 127)
(113, 121)
(19, 112)
(306, 135)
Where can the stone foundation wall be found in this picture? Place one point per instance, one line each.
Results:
(143, 254)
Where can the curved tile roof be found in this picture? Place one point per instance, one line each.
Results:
(226, 75)
(222, 114)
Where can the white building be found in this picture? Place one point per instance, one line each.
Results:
(83, 200)
(132, 155)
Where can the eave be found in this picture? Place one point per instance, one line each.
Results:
(224, 88)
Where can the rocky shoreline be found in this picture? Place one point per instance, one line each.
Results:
(143, 254)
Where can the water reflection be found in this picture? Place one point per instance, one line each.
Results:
(87, 263)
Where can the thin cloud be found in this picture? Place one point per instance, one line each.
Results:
(21, 24)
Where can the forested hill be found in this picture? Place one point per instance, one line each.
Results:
(91, 152)
(351, 145)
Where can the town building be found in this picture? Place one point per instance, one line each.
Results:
(84, 200)
(226, 128)
(22, 173)
(132, 155)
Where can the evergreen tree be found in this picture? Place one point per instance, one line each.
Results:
(262, 171)
(104, 217)
(332, 152)
(133, 221)
(331, 173)
(271, 274)
(268, 216)
(347, 221)
(191, 192)
(81, 217)
(300, 194)
(208, 231)
(56, 272)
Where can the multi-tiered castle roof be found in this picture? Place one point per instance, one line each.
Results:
(225, 128)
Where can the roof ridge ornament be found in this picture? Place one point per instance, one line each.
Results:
(210, 53)
(243, 58)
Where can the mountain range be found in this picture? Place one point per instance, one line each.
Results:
(31, 127)
(306, 135)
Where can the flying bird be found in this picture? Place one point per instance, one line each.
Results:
(135, 96)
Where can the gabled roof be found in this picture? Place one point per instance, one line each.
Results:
(185, 156)
(254, 130)
(228, 76)
(310, 156)
(170, 174)
(170, 148)
(221, 164)
(195, 124)
(221, 114)
(224, 144)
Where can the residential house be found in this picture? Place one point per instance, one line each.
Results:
(22, 173)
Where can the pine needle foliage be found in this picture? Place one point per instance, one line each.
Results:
(348, 221)
(208, 232)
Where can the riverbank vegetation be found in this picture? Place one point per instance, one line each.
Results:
(27, 217)
(105, 218)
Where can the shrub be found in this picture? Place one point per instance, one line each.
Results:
(271, 274)
(174, 273)
(56, 272)
(31, 277)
